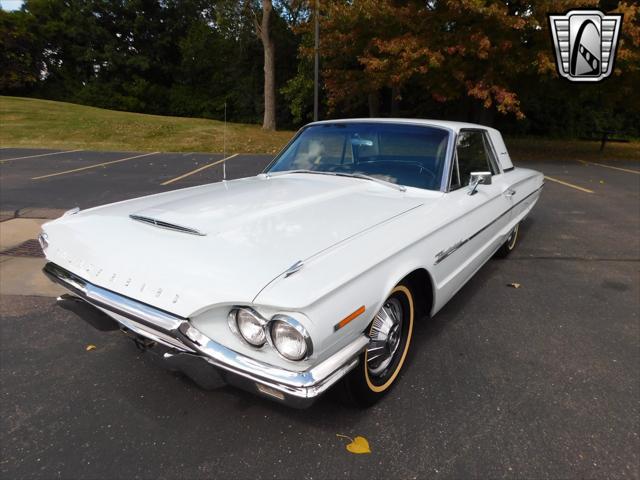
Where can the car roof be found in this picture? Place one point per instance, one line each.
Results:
(455, 126)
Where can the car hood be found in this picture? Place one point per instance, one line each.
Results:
(219, 243)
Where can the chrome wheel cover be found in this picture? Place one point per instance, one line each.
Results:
(385, 335)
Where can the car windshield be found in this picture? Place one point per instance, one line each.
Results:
(409, 155)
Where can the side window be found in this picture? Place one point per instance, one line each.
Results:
(474, 154)
(491, 154)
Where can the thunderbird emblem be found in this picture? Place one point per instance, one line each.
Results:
(585, 43)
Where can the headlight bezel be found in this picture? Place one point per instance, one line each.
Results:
(233, 320)
(267, 326)
(292, 322)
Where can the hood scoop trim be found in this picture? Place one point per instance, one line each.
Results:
(166, 225)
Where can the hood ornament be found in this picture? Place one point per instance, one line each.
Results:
(293, 268)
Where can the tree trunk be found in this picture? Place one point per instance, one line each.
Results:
(269, 121)
(395, 101)
(374, 104)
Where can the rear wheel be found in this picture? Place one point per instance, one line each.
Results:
(390, 337)
(510, 244)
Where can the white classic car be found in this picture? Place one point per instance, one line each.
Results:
(308, 274)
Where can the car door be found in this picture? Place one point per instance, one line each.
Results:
(479, 218)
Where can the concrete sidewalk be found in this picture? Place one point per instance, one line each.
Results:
(22, 275)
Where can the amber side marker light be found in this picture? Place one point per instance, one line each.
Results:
(350, 317)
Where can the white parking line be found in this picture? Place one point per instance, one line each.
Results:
(39, 155)
(567, 184)
(628, 170)
(188, 174)
(94, 166)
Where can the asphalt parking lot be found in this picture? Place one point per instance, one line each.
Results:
(58, 180)
(535, 382)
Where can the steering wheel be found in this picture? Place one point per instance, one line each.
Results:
(421, 169)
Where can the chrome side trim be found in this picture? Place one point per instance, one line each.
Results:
(166, 225)
(440, 256)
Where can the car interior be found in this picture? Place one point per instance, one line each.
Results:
(412, 158)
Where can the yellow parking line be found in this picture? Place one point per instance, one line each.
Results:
(567, 184)
(628, 170)
(39, 155)
(104, 164)
(188, 174)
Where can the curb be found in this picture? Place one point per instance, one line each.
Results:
(38, 213)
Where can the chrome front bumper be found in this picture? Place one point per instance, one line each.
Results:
(185, 348)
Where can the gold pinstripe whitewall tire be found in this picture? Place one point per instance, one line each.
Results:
(390, 334)
(394, 374)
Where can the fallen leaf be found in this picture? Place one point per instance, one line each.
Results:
(358, 444)
(601, 182)
(513, 285)
(90, 347)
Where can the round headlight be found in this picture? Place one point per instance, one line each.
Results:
(251, 327)
(290, 341)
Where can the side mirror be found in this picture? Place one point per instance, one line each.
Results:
(478, 178)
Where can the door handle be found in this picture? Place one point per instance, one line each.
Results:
(510, 192)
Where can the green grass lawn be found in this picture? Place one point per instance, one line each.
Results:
(28, 122)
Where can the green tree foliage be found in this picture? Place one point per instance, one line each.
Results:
(489, 61)
(20, 53)
(182, 57)
(481, 60)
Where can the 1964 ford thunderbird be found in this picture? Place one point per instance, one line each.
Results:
(308, 274)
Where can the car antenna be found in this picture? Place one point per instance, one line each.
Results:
(224, 145)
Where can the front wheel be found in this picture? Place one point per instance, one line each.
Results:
(390, 336)
(510, 244)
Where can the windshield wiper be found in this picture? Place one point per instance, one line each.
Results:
(300, 170)
(402, 188)
(361, 176)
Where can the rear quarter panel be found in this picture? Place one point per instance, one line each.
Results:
(528, 185)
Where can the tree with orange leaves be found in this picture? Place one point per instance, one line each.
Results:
(452, 49)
